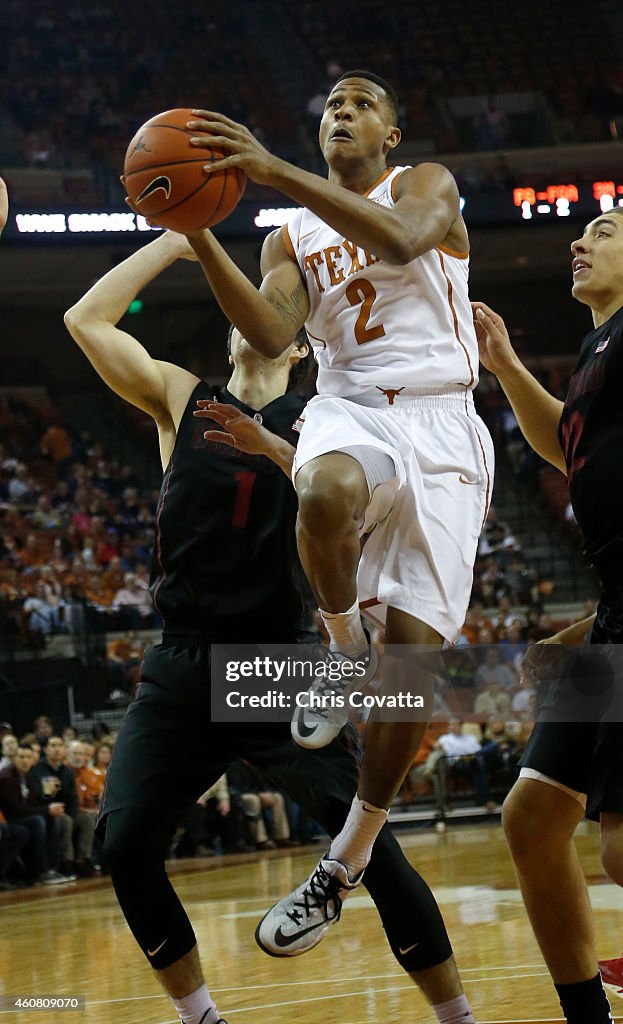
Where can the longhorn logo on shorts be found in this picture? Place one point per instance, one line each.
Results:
(161, 182)
(390, 393)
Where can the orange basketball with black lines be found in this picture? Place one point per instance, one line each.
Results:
(166, 180)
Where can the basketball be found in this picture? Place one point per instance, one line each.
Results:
(165, 177)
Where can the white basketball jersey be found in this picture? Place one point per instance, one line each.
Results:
(374, 324)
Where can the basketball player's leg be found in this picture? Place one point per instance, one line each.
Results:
(612, 846)
(390, 746)
(340, 494)
(150, 784)
(333, 494)
(322, 783)
(539, 820)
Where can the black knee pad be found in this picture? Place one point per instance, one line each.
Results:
(411, 918)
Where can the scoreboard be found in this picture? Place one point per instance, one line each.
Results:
(519, 203)
(565, 200)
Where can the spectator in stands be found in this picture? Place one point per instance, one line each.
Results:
(45, 517)
(499, 749)
(103, 754)
(524, 700)
(8, 749)
(89, 787)
(22, 487)
(89, 747)
(425, 765)
(217, 814)
(13, 838)
(124, 655)
(43, 728)
(41, 615)
(494, 672)
(30, 740)
(134, 601)
(262, 803)
(21, 803)
(471, 629)
(463, 758)
(491, 700)
(57, 784)
(56, 443)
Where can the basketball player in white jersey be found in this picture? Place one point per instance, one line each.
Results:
(375, 265)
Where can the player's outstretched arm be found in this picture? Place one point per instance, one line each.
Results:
(245, 434)
(574, 634)
(538, 413)
(270, 318)
(4, 205)
(120, 360)
(427, 196)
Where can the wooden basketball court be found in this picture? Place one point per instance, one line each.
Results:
(72, 940)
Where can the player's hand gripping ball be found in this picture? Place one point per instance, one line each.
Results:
(165, 179)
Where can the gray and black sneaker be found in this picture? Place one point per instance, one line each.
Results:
(301, 920)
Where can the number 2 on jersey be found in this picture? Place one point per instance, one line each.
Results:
(245, 479)
(363, 293)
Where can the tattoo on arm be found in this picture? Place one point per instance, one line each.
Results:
(289, 308)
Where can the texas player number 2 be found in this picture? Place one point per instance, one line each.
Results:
(363, 293)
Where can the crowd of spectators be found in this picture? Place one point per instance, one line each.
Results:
(50, 793)
(51, 787)
(77, 528)
(99, 77)
(76, 531)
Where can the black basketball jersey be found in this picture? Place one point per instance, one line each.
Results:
(225, 548)
(591, 435)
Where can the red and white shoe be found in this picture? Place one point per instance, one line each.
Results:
(612, 974)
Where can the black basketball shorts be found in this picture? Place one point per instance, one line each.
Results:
(168, 752)
(585, 755)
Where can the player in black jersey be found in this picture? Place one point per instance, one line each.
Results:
(223, 562)
(573, 767)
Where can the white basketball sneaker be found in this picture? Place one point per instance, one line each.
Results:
(326, 703)
(301, 920)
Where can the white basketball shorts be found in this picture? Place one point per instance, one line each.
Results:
(420, 558)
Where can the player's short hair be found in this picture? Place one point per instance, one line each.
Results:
(300, 369)
(390, 92)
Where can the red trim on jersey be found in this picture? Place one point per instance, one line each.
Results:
(453, 252)
(378, 182)
(158, 545)
(455, 319)
(488, 491)
(287, 241)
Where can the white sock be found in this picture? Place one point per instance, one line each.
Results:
(454, 1011)
(345, 631)
(197, 1008)
(353, 846)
